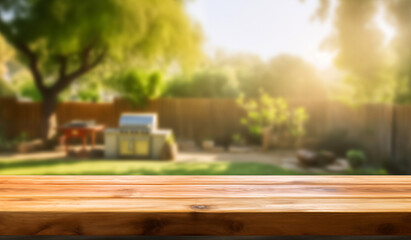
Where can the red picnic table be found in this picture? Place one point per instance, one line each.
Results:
(79, 132)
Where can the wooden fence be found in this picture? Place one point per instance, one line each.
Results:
(383, 130)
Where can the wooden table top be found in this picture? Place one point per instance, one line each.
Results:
(205, 205)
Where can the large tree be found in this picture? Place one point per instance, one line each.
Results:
(376, 70)
(359, 44)
(60, 41)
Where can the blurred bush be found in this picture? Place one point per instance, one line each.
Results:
(203, 84)
(138, 86)
(357, 158)
(273, 115)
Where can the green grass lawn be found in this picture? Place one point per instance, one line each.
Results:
(130, 167)
(146, 167)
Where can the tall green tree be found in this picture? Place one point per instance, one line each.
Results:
(60, 41)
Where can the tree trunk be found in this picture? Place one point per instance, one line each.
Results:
(48, 118)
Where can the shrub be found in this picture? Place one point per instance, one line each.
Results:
(275, 115)
(203, 84)
(138, 87)
(356, 158)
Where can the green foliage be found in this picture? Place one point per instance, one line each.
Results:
(275, 115)
(138, 86)
(356, 158)
(6, 89)
(229, 75)
(89, 90)
(155, 28)
(281, 76)
(60, 41)
(29, 90)
(203, 84)
(89, 94)
(297, 122)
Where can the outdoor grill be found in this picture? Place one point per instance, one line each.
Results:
(136, 137)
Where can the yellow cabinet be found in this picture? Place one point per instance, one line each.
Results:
(141, 147)
(126, 147)
(134, 147)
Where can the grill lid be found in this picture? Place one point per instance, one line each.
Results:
(138, 120)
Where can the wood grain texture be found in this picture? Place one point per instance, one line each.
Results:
(205, 205)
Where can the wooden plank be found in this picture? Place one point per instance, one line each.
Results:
(191, 191)
(205, 180)
(220, 205)
(211, 205)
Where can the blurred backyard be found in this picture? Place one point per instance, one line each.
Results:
(155, 93)
(187, 163)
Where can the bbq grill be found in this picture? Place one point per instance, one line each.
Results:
(136, 137)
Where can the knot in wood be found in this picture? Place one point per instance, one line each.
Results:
(200, 207)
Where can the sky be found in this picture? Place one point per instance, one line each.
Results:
(267, 28)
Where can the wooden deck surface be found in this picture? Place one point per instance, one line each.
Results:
(205, 205)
